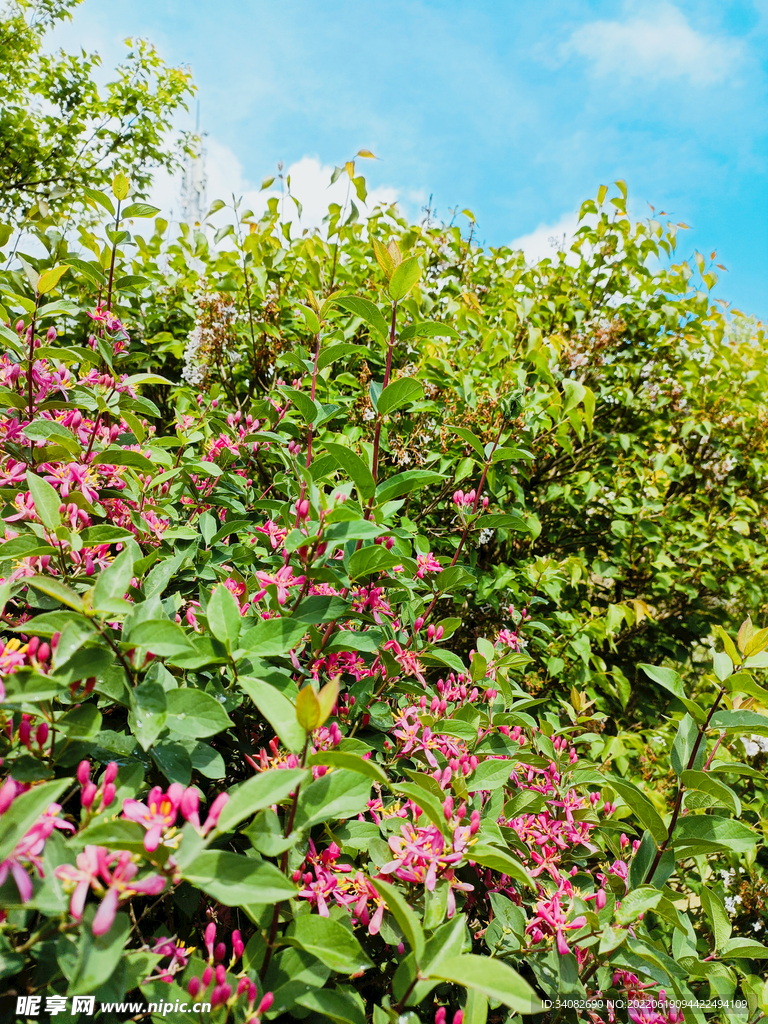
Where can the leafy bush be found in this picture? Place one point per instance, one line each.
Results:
(338, 578)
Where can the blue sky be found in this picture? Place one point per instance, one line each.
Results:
(517, 110)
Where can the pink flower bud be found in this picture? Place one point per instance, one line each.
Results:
(194, 987)
(213, 815)
(238, 946)
(266, 1003)
(25, 730)
(32, 646)
(108, 795)
(401, 948)
(458, 1017)
(41, 735)
(19, 326)
(51, 335)
(190, 803)
(215, 403)
(110, 773)
(220, 995)
(474, 822)
(55, 641)
(252, 991)
(83, 772)
(88, 795)
(210, 938)
(219, 953)
(242, 985)
(600, 899)
(207, 976)
(43, 652)
(418, 623)
(220, 973)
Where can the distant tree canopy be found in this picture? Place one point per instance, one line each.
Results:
(59, 130)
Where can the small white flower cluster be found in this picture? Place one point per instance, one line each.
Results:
(754, 745)
(731, 902)
(195, 370)
(485, 535)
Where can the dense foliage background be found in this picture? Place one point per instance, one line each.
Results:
(431, 575)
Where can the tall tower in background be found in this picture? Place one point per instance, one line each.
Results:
(195, 180)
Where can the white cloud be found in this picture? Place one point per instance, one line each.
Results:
(547, 239)
(309, 184)
(657, 46)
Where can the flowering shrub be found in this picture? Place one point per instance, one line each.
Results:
(250, 760)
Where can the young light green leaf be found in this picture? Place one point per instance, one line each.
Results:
(399, 393)
(404, 278)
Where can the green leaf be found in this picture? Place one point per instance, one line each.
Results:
(739, 721)
(636, 902)
(744, 948)
(490, 774)
(704, 833)
(46, 499)
(370, 559)
(120, 186)
(332, 353)
(471, 439)
(308, 408)
(238, 881)
(48, 430)
(672, 682)
(277, 710)
(338, 794)
(352, 762)
(138, 210)
(273, 638)
(718, 918)
(406, 483)
(50, 278)
(398, 393)
(704, 782)
(224, 618)
(100, 198)
(24, 812)
(333, 1004)
(328, 940)
(160, 636)
(267, 788)
(358, 470)
(491, 978)
(53, 588)
(403, 914)
(500, 860)
(403, 279)
(122, 457)
(194, 713)
(367, 311)
(99, 955)
(429, 329)
(113, 583)
(640, 805)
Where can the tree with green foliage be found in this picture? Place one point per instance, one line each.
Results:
(59, 130)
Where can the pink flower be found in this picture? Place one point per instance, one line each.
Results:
(426, 563)
(30, 847)
(282, 579)
(157, 815)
